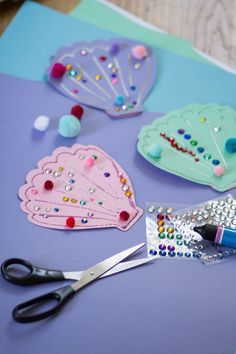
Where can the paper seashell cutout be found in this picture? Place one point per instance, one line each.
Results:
(193, 141)
(68, 189)
(96, 75)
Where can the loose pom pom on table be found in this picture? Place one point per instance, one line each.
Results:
(69, 126)
(218, 171)
(154, 151)
(139, 52)
(57, 71)
(230, 145)
(77, 111)
(41, 123)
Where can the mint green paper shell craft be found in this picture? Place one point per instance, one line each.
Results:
(202, 129)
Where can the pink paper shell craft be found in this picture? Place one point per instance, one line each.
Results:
(81, 195)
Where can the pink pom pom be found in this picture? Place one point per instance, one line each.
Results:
(139, 52)
(89, 161)
(218, 171)
(58, 70)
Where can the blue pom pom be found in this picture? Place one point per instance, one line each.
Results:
(115, 48)
(230, 145)
(155, 150)
(69, 126)
(120, 100)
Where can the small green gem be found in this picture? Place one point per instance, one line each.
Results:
(193, 142)
(131, 106)
(162, 235)
(170, 236)
(179, 237)
(95, 157)
(207, 157)
(179, 242)
(82, 202)
(100, 203)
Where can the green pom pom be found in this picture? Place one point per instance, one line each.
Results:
(69, 126)
(155, 150)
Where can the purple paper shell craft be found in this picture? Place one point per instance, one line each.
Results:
(105, 74)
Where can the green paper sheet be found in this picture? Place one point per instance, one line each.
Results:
(104, 16)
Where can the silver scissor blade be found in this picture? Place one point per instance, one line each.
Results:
(128, 265)
(120, 267)
(99, 269)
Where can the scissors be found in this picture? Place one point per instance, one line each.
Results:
(23, 313)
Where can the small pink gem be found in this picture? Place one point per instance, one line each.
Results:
(75, 90)
(91, 199)
(114, 81)
(34, 191)
(120, 174)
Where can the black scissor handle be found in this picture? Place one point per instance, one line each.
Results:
(35, 275)
(30, 311)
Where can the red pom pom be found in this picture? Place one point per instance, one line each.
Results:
(48, 185)
(124, 215)
(70, 222)
(77, 111)
(58, 70)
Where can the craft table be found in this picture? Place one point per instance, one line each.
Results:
(209, 25)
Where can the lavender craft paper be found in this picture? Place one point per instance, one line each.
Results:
(180, 81)
(97, 76)
(169, 307)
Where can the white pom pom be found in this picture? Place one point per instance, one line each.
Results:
(41, 123)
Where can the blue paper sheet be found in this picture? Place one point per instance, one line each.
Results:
(37, 32)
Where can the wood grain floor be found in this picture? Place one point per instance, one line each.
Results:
(209, 24)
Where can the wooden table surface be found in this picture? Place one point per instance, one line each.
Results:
(209, 24)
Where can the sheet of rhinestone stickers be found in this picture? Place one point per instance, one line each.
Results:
(163, 239)
(221, 212)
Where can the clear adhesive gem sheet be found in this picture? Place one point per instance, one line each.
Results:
(220, 212)
(163, 239)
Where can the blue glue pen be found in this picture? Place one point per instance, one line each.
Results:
(217, 234)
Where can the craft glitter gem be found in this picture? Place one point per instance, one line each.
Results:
(83, 52)
(107, 174)
(98, 77)
(181, 131)
(151, 209)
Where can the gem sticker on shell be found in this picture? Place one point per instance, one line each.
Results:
(163, 240)
(79, 188)
(96, 74)
(197, 142)
(221, 212)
